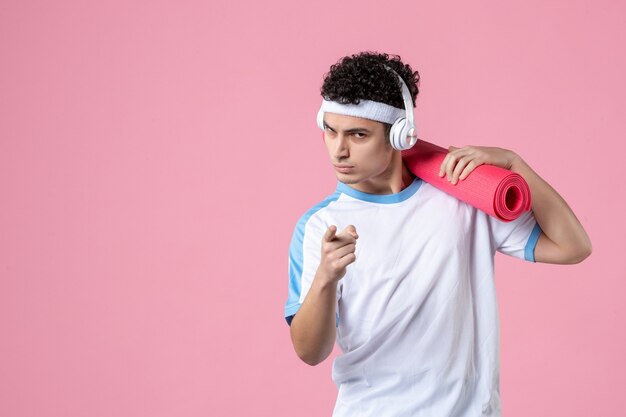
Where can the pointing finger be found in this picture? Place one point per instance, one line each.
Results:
(352, 231)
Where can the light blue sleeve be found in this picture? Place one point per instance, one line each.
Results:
(516, 238)
(304, 255)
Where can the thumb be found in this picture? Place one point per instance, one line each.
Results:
(452, 148)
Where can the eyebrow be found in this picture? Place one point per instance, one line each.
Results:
(353, 130)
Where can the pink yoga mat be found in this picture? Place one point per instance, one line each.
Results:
(496, 191)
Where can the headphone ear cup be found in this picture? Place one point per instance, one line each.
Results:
(320, 119)
(397, 134)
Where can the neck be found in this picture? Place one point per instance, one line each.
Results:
(407, 176)
(395, 179)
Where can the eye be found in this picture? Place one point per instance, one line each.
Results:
(359, 135)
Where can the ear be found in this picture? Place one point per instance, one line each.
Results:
(387, 131)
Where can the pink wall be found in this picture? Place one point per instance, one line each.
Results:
(155, 156)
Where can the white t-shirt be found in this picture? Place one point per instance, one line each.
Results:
(417, 315)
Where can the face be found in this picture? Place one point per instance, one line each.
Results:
(359, 151)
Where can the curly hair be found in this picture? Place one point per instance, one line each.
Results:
(363, 76)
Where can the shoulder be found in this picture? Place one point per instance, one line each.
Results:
(314, 216)
(318, 209)
(439, 200)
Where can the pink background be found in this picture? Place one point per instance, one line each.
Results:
(155, 157)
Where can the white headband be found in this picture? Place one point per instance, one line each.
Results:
(366, 109)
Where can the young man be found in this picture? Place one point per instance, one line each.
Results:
(399, 273)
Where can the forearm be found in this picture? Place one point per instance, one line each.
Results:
(568, 241)
(313, 328)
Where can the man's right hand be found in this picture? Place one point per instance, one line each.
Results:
(313, 329)
(337, 252)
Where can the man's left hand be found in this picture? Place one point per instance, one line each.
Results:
(460, 162)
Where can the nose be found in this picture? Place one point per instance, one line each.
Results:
(342, 149)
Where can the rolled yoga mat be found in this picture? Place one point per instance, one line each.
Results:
(496, 191)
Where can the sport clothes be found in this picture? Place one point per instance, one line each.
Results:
(417, 317)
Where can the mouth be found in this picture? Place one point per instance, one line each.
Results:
(343, 168)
